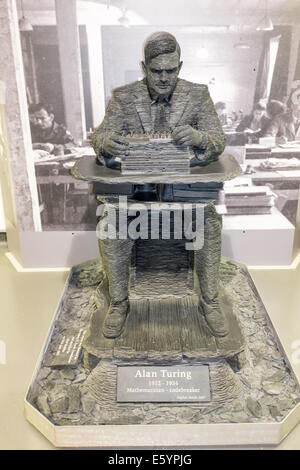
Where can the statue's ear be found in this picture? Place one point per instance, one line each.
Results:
(144, 68)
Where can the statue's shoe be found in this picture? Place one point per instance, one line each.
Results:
(114, 320)
(215, 318)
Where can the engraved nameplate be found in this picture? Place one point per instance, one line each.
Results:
(163, 383)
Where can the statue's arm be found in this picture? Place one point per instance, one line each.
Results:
(111, 124)
(212, 137)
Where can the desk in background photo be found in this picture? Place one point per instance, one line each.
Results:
(64, 204)
(284, 181)
(265, 238)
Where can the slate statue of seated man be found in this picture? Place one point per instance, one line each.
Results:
(162, 102)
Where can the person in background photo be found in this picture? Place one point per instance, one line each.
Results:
(48, 137)
(46, 133)
(286, 126)
(254, 125)
(220, 107)
(275, 108)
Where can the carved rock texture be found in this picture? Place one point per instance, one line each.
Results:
(265, 364)
(155, 156)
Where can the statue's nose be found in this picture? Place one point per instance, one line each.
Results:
(163, 76)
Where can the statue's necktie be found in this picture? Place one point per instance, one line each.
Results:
(160, 121)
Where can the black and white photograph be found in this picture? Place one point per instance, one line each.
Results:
(252, 69)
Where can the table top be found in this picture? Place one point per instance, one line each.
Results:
(224, 169)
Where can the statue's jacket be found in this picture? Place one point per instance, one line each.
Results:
(129, 111)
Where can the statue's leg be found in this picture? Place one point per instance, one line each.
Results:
(116, 257)
(207, 265)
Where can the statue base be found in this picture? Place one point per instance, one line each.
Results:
(86, 393)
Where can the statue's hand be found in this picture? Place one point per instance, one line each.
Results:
(187, 135)
(115, 145)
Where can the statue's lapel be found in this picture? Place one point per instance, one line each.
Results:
(143, 106)
(179, 102)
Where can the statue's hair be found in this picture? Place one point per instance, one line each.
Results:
(160, 43)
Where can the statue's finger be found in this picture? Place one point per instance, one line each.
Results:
(183, 134)
(120, 139)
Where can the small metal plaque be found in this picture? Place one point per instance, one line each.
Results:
(163, 384)
(68, 348)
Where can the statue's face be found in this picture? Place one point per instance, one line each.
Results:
(162, 73)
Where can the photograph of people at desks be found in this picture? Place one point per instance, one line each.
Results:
(250, 72)
(55, 151)
(267, 145)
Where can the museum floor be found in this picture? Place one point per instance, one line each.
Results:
(28, 303)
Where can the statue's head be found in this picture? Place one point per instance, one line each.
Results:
(162, 63)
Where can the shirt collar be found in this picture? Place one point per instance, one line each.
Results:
(155, 98)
